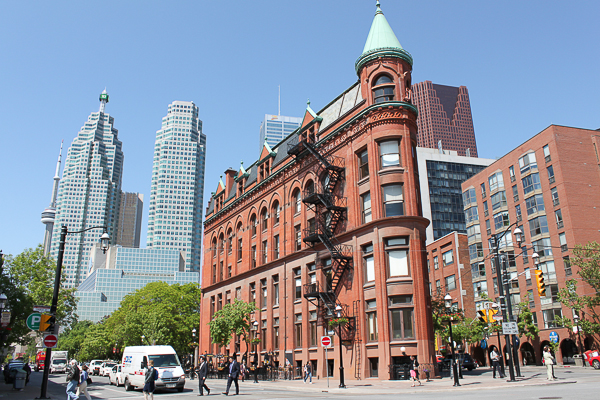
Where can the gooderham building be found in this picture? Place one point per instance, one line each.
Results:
(330, 218)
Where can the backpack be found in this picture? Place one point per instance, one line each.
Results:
(155, 374)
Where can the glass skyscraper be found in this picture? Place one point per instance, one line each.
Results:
(123, 271)
(176, 195)
(89, 193)
(274, 128)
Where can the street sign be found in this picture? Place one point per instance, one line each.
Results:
(510, 328)
(33, 321)
(5, 316)
(553, 337)
(498, 317)
(50, 341)
(483, 344)
(325, 341)
(42, 309)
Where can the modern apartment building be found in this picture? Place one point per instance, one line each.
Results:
(89, 193)
(175, 216)
(275, 128)
(445, 118)
(441, 173)
(549, 187)
(130, 219)
(120, 272)
(329, 221)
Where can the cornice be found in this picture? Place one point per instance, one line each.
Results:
(382, 52)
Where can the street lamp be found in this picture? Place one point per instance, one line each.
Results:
(104, 244)
(448, 305)
(338, 311)
(195, 348)
(576, 321)
(143, 337)
(256, 360)
(3, 300)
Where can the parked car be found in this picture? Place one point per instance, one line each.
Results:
(465, 360)
(106, 367)
(95, 367)
(593, 357)
(115, 377)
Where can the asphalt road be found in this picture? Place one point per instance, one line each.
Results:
(574, 383)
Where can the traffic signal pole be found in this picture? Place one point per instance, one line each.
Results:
(59, 263)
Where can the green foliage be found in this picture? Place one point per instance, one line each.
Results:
(587, 260)
(164, 314)
(338, 321)
(28, 280)
(463, 330)
(525, 322)
(233, 318)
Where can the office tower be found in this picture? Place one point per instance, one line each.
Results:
(549, 188)
(89, 194)
(444, 118)
(49, 214)
(275, 128)
(130, 219)
(441, 174)
(175, 217)
(121, 271)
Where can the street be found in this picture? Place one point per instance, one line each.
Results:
(572, 382)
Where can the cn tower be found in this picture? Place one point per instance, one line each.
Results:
(49, 213)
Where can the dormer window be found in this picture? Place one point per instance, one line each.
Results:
(383, 90)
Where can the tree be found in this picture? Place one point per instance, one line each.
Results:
(587, 260)
(28, 280)
(233, 318)
(463, 329)
(72, 338)
(525, 322)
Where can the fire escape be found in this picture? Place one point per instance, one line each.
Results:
(330, 211)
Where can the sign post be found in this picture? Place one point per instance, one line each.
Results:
(326, 342)
(50, 341)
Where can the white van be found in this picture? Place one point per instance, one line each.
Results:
(166, 362)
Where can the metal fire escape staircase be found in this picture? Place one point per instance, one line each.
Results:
(330, 210)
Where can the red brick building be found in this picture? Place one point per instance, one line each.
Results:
(550, 186)
(329, 218)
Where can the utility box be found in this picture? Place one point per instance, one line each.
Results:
(578, 360)
(19, 382)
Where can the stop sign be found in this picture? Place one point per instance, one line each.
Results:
(325, 341)
(50, 341)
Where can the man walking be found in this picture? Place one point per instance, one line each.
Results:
(496, 363)
(234, 372)
(202, 373)
(73, 381)
(308, 372)
(149, 379)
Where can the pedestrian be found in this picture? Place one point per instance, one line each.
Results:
(496, 362)
(73, 380)
(414, 371)
(243, 370)
(234, 372)
(83, 383)
(549, 363)
(150, 378)
(308, 372)
(27, 369)
(202, 373)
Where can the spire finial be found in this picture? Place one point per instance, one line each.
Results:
(242, 162)
(378, 8)
(308, 102)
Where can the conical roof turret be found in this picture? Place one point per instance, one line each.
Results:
(381, 41)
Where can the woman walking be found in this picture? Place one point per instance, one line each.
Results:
(414, 371)
(549, 363)
(83, 383)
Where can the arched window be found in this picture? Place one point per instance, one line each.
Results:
(263, 218)
(253, 224)
(239, 242)
(221, 243)
(214, 247)
(275, 212)
(309, 188)
(383, 89)
(297, 199)
(229, 241)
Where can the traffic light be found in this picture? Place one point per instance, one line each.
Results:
(482, 316)
(47, 323)
(539, 281)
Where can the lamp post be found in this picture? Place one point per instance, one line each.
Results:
(576, 321)
(104, 244)
(448, 305)
(3, 300)
(195, 348)
(256, 356)
(338, 311)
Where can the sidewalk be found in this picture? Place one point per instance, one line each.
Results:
(32, 389)
(482, 379)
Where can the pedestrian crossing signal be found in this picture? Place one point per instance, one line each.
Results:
(539, 281)
(47, 323)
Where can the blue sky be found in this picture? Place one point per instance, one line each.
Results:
(527, 64)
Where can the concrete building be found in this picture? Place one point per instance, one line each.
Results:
(49, 214)
(549, 186)
(441, 173)
(445, 118)
(176, 195)
(120, 272)
(274, 128)
(130, 219)
(329, 221)
(89, 193)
